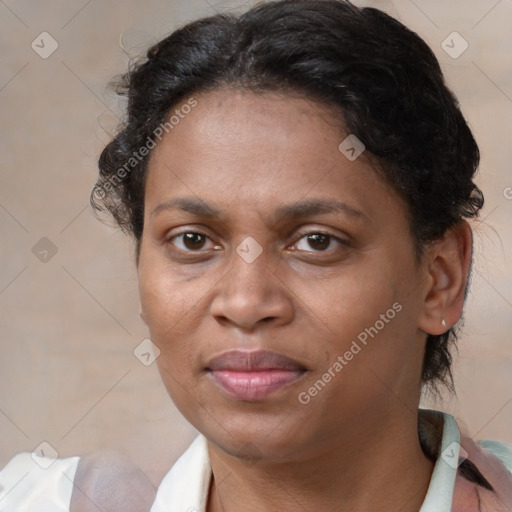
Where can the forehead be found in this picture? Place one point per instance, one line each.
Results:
(237, 147)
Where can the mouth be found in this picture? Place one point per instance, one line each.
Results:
(253, 375)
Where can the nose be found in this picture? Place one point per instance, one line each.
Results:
(251, 294)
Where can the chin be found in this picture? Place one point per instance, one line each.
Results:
(253, 438)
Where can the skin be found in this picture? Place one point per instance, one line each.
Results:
(354, 446)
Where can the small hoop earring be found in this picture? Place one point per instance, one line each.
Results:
(443, 322)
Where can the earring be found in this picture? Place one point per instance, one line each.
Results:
(443, 322)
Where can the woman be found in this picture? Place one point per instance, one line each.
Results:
(297, 182)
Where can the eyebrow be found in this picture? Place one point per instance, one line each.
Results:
(288, 212)
(190, 205)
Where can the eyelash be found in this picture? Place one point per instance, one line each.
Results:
(300, 235)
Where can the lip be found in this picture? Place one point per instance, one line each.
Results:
(253, 375)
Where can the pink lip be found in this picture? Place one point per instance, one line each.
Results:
(253, 375)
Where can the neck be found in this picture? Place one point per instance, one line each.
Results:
(375, 465)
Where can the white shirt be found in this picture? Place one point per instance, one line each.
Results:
(26, 487)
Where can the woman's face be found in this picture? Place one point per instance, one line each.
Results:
(333, 292)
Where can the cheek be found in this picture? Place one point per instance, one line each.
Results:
(368, 315)
(164, 298)
(168, 309)
(167, 313)
(158, 300)
(354, 299)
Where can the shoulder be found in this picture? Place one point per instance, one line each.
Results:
(488, 466)
(111, 482)
(33, 482)
(434, 425)
(106, 480)
(468, 474)
(501, 450)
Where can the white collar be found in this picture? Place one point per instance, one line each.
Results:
(185, 488)
(440, 491)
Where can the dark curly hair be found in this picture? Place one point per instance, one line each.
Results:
(380, 78)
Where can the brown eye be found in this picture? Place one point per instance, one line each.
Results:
(190, 240)
(319, 242)
(193, 241)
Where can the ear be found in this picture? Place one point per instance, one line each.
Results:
(448, 261)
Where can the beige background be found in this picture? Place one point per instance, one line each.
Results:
(68, 326)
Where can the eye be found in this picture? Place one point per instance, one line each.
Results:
(195, 241)
(191, 241)
(319, 241)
